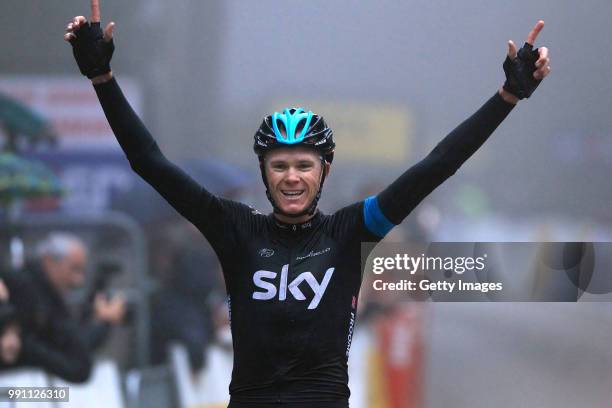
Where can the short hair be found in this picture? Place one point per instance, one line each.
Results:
(57, 245)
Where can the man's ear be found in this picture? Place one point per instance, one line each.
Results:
(327, 168)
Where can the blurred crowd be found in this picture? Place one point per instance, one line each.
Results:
(58, 312)
(39, 327)
(189, 305)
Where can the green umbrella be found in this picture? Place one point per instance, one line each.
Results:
(18, 120)
(22, 179)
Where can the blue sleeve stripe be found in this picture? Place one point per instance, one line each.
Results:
(375, 220)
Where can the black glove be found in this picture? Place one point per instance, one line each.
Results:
(91, 52)
(519, 73)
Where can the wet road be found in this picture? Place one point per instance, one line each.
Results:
(519, 355)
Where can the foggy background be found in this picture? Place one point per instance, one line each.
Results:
(211, 70)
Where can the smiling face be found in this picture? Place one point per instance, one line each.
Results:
(293, 175)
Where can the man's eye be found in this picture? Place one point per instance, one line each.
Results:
(305, 167)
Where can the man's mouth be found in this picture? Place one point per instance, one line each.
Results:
(292, 194)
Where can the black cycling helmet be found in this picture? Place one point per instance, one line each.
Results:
(294, 127)
(281, 130)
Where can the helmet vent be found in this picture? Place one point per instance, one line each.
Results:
(281, 128)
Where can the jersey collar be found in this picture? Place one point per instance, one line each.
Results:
(300, 227)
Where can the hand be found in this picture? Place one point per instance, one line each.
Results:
(92, 47)
(10, 344)
(4, 292)
(525, 68)
(110, 311)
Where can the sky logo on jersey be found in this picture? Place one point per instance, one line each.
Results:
(263, 280)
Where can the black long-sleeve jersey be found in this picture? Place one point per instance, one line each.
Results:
(292, 288)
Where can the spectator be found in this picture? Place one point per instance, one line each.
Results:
(182, 305)
(52, 338)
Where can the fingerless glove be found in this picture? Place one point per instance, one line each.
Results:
(519, 72)
(91, 52)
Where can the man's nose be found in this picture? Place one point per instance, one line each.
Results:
(292, 176)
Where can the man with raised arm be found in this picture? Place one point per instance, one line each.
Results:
(293, 276)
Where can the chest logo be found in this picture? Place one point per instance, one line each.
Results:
(265, 280)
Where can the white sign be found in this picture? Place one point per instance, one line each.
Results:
(71, 105)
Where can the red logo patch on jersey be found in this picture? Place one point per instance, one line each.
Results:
(354, 304)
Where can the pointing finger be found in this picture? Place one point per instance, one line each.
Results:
(533, 35)
(95, 11)
(512, 51)
(108, 31)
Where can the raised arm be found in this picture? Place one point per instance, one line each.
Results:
(93, 49)
(524, 69)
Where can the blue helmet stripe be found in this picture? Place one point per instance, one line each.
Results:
(290, 125)
(291, 122)
(374, 219)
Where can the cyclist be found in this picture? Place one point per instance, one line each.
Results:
(293, 276)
